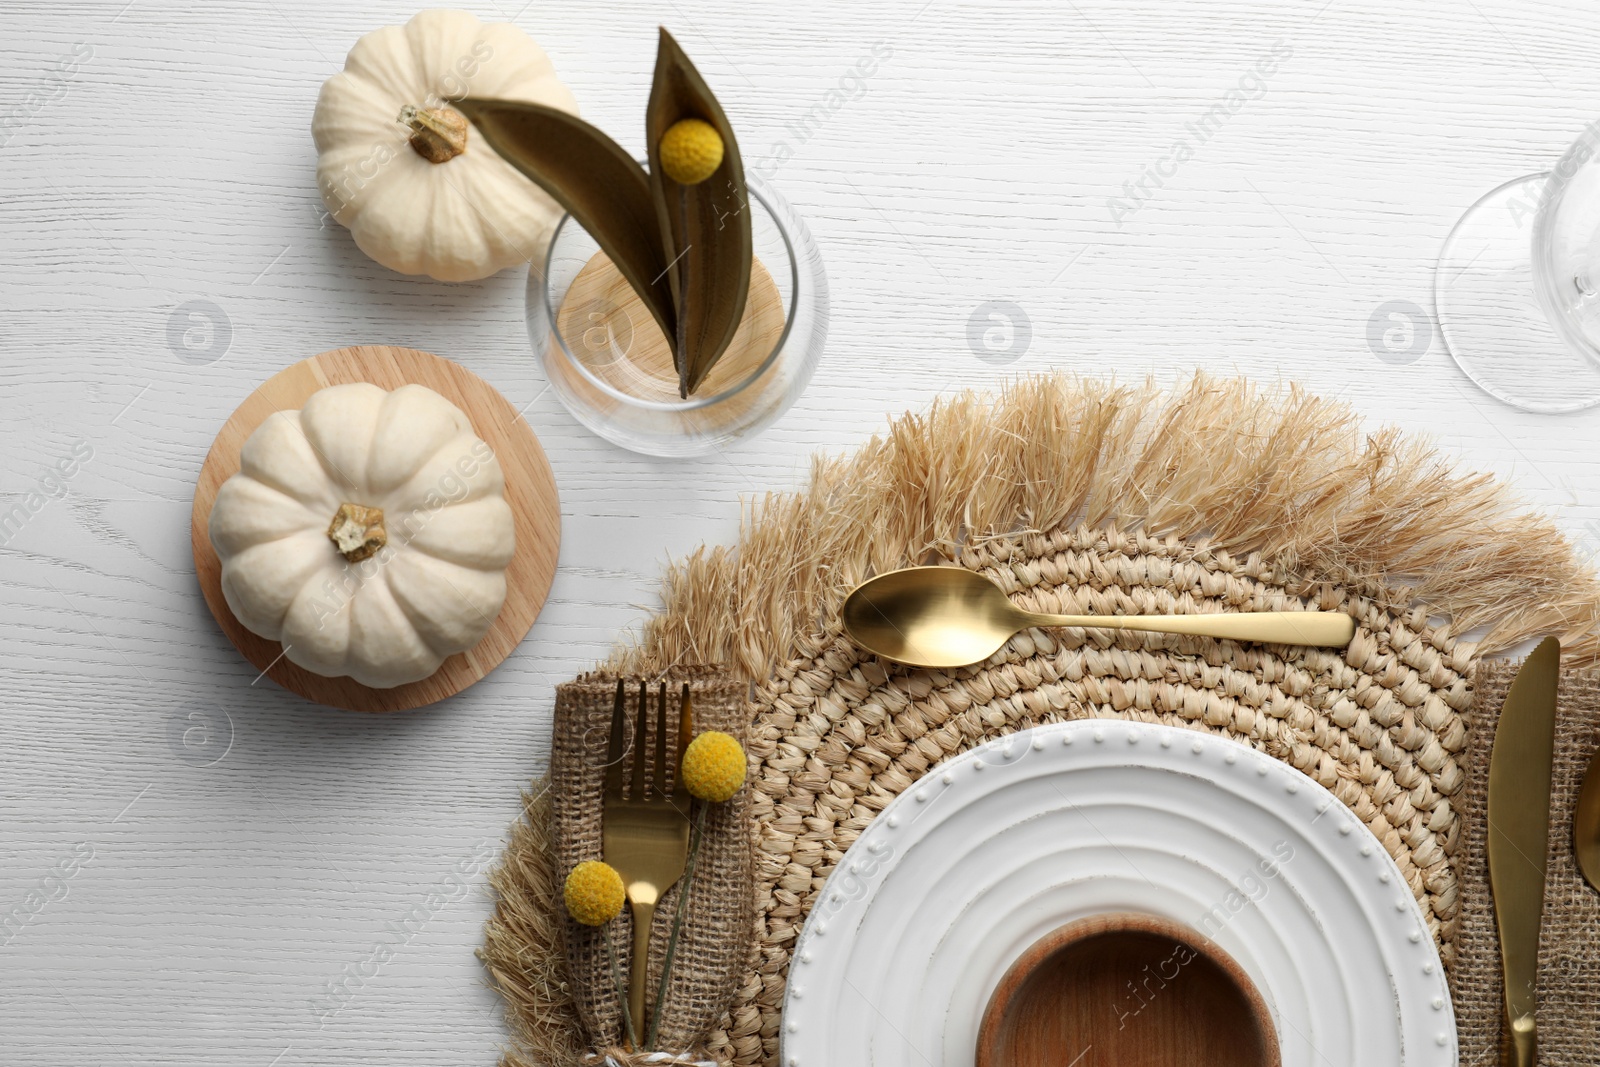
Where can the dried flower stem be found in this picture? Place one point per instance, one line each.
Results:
(685, 887)
(683, 295)
(622, 987)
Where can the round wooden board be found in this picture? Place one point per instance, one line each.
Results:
(530, 490)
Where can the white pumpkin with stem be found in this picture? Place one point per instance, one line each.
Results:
(368, 532)
(420, 190)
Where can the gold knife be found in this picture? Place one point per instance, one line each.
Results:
(1519, 833)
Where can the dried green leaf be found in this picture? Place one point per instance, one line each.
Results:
(596, 180)
(705, 227)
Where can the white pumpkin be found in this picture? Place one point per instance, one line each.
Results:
(426, 194)
(367, 532)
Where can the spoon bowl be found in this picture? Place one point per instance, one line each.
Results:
(931, 616)
(1586, 824)
(952, 617)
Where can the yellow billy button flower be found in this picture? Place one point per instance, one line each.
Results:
(713, 766)
(594, 893)
(691, 151)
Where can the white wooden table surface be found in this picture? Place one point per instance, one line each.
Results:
(214, 856)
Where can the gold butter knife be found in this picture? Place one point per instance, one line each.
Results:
(1519, 836)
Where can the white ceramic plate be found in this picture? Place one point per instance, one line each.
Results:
(994, 849)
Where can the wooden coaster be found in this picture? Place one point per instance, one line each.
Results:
(530, 489)
(607, 327)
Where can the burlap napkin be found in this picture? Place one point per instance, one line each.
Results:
(715, 946)
(1569, 940)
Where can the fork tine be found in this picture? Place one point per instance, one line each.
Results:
(658, 786)
(615, 748)
(640, 732)
(685, 732)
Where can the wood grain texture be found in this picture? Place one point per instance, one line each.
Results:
(530, 489)
(607, 327)
(1126, 990)
(252, 849)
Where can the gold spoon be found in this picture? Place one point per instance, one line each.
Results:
(1586, 823)
(950, 617)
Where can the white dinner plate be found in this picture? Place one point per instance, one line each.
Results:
(997, 847)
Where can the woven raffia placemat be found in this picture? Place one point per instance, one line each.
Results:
(1087, 497)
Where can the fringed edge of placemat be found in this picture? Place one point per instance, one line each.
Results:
(1224, 463)
(522, 945)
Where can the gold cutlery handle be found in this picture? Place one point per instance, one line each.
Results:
(643, 915)
(1332, 629)
(1520, 1041)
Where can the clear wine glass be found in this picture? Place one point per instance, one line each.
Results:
(1517, 287)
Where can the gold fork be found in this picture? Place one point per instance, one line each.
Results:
(645, 838)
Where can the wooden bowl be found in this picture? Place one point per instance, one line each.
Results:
(1128, 990)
